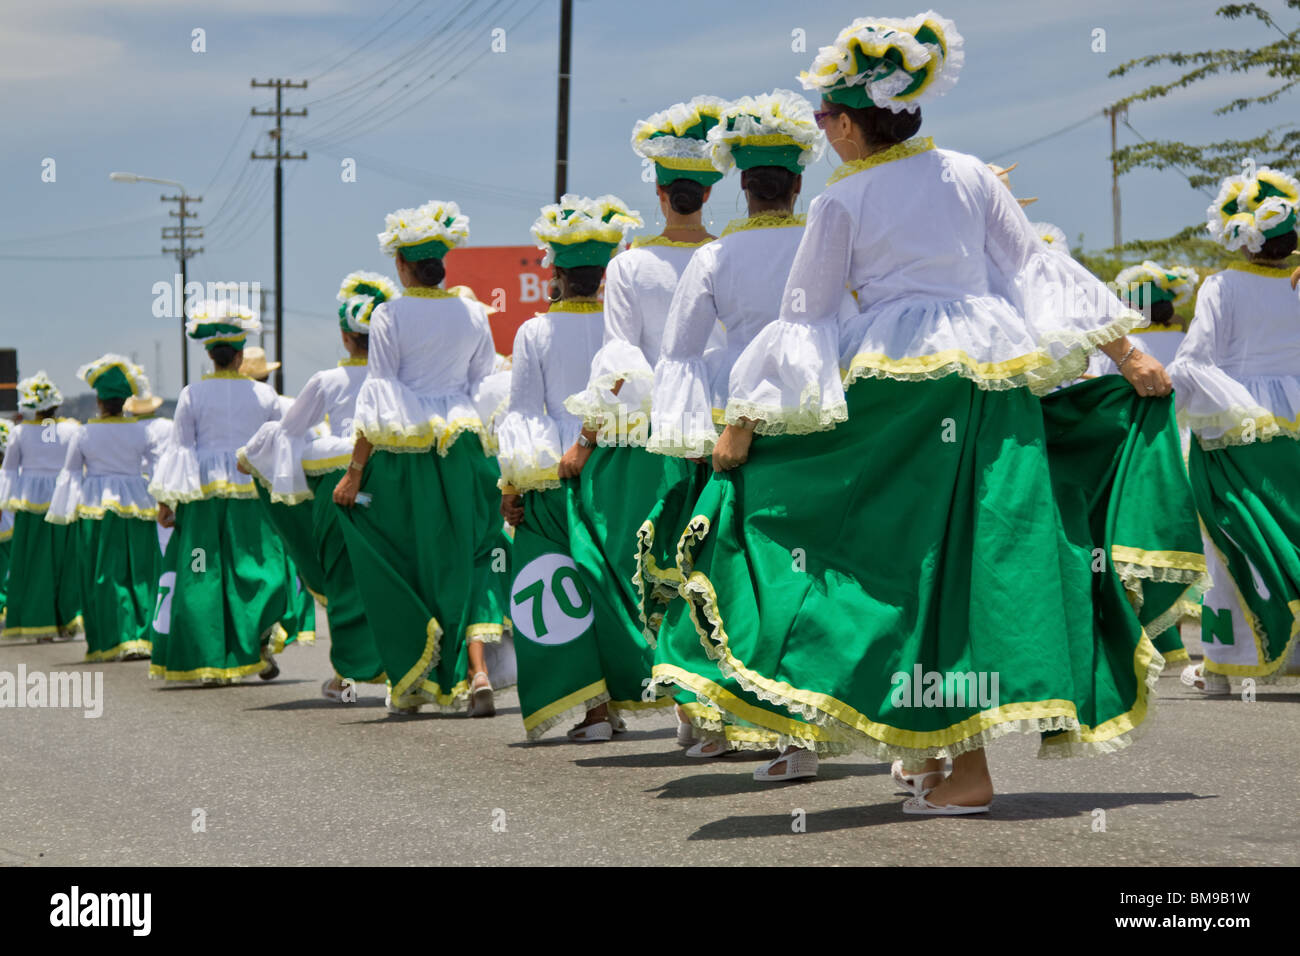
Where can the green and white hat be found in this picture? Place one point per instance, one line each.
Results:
(774, 129)
(676, 139)
(222, 322)
(114, 376)
(1252, 208)
(5, 430)
(578, 231)
(1149, 283)
(38, 393)
(427, 232)
(887, 62)
(360, 293)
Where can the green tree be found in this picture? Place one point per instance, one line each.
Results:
(1206, 165)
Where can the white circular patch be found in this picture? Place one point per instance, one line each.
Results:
(548, 602)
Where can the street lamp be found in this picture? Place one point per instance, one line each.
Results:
(181, 252)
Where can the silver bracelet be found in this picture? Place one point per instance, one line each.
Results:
(1127, 356)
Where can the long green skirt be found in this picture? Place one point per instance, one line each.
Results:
(222, 595)
(417, 551)
(617, 489)
(6, 540)
(1119, 478)
(314, 540)
(120, 564)
(492, 577)
(44, 579)
(560, 674)
(1248, 497)
(919, 595)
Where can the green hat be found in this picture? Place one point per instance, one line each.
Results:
(222, 322)
(1253, 208)
(775, 129)
(578, 231)
(427, 232)
(360, 293)
(676, 140)
(114, 376)
(38, 393)
(1145, 285)
(887, 62)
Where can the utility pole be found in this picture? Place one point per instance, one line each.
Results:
(180, 233)
(1115, 113)
(277, 134)
(562, 106)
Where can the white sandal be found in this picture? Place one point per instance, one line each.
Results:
(329, 691)
(702, 749)
(798, 764)
(481, 702)
(392, 709)
(919, 804)
(617, 724)
(599, 732)
(685, 734)
(911, 782)
(1208, 682)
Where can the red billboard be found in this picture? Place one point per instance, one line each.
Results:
(509, 279)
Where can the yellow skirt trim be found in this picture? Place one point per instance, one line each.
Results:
(567, 703)
(113, 653)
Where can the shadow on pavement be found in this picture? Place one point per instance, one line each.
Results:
(1006, 808)
(734, 784)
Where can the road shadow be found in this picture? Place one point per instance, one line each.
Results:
(320, 703)
(1006, 808)
(417, 718)
(735, 784)
(172, 687)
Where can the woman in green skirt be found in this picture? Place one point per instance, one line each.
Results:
(418, 527)
(561, 671)
(895, 522)
(6, 525)
(44, 596)
(1238, 385)
(297, 470)
(224, 587)
(619, 481)
(103, 494)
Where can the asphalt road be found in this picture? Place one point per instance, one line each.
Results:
(283, 776)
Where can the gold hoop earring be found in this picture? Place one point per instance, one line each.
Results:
(856, 147)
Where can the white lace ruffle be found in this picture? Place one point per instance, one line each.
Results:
(184, 475)
(788, 379)
(28, 490)
(93, 496)
(1222, 411)
(277, 459)
(529, 451)
(615, 361)
(393, 417)
(681, 419)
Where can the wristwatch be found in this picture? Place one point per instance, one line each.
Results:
(585, 442)
(353, 466)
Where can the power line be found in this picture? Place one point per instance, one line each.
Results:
(1186, 176)
(1042, 139)
(379, 32)
(82, 229)
(64, 258)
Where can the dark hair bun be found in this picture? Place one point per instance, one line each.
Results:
(1162, 313)
(884, 127)
(685, 196)
(112, 406)
(222, 355)
(1279, 247)
(429, 272)
(768, 183)
(584, 281)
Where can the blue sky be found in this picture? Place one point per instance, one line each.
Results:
(101, 86)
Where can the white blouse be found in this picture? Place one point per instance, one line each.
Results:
(1237, 374)
(639, 287)
(214, 417)
(925, 239)
(32, 464)
(105, 470)
(315, 435)
(736, 283)
(427, 358)
(552, 354)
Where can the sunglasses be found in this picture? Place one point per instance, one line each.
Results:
(819, 116)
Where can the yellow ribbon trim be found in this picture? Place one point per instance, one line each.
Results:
(430, 292)
(41, 630)
(764, 220)
(926, 364)
(320, 466)
(449, 699)
(776, 723)
(1254, 268)
(220, 373)
(911, 147)
(122, 511)
(126, 647)
(159, 671)
(1256, 628)
(354, 360)
(530, 479)
(112, 420)
(22, 504)
(1182, 560)
(543, 714)
(684, 162)
(477, 631)
(642, 241)
(576, 305)
(426, 663)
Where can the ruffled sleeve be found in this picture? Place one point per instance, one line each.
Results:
(67, 490)
(528, 439)
(620, 358)
(9, 469)
(176, 477)
(681, 418)
(1068, 311)
(274, 455)
(788, 378)
(1218, 408)
(388, 415)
